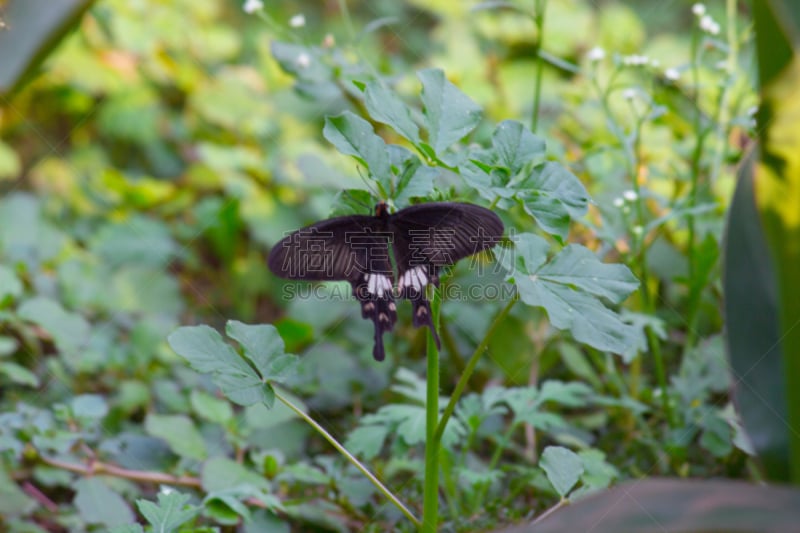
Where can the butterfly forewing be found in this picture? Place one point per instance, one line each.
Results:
(352, 248)
(430, 236)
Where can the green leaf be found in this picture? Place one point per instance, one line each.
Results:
(516, 146)
(89, 406)
(352, 135)
(180, 434)
(415, 180)
(70, 331)
(127, 528)
(449, 114)
(263, 520)
(207, 352)
(717, 435)
(367, 441)
(597, 472)
(578, 267)
(260, 342)
(24, 234)
(221, 473)
(33, 29)
(753, 331)
(352, 201)
(563, 468)
(136, 241)
(10, 285)
(98, 503)
(385, 106)
(263, 346)
(572, 394)
(10, 165)
(13, 501)
(569, 288)
(211, 408)
(8, 345)
(553, 196)
(226, 508)
(19, 374)
(171, 511)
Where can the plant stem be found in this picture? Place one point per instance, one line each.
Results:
(697, 154)
(538, 20)
(348, 22)
(473, 361)
(562, 503)
(430, 498)
(350, 457)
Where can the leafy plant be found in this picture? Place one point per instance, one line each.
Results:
(144, 172)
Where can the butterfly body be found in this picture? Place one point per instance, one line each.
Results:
(355, 248)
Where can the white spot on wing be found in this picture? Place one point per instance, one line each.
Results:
(415, 278)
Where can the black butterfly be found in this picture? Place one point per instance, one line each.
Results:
(355, 248)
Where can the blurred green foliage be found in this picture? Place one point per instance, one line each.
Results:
(162, 148)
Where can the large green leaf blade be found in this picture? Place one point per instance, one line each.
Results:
(450, 114)
(516, 146)
(206, 351)
(569, 289)
(31, 31)
(386, 107)
(577, 266)
(171, 511)
(563, 468)
(553, 196)
(752, 329)
(352, 135)
(765, 212)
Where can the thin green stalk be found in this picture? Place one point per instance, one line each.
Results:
(471, 364)
(695, 175)
(648, 301)
(720, 125)
(498, 452)
(538, 20)
(342, 450)
(430, 496)
(348, 22)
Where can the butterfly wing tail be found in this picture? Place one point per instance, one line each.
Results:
(421, 316)
(374, 291)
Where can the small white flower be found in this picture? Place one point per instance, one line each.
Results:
(751, 111)
(596, 54)
(630, 195)
(655, 63)
(637, 230)
(629, 94)
(618, 202)
(303, 60)
(709, 25)
(672, 74)
(251, 6)
(297, 21)
(699, 9)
